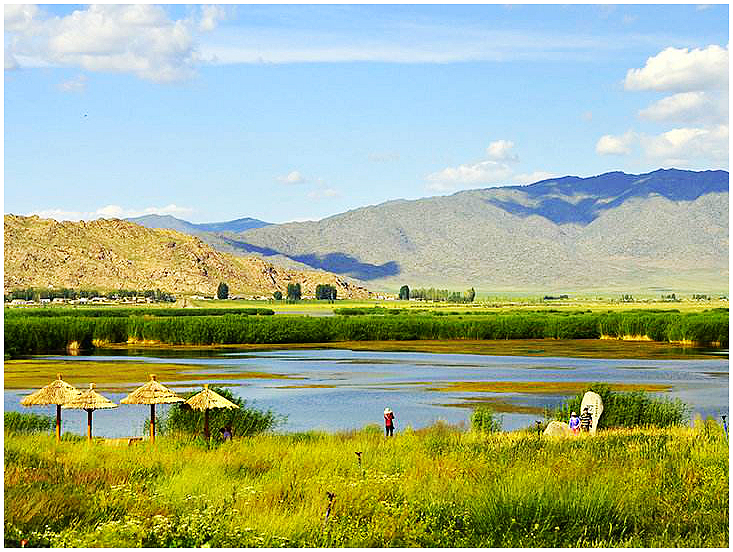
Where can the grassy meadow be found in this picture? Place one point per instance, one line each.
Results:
(436, 487)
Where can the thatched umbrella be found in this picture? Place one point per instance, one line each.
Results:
(207, 400)
(152, 393)
(90, 401)
(57, 392)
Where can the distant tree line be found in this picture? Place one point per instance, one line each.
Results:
(32, 294)
(433, 294)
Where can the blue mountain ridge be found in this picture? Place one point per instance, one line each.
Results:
(596, 194)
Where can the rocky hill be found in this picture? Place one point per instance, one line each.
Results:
(663, 230)
(113, 254)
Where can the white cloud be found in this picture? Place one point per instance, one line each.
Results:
(689, 107)
(324, 193)
(138, 39)
(616, 145)
(10, 62)
(294, 177)
(681, 70)
(77, 84)
(698, 80)
(501, 150)
(19, 17)
(112, 211)
(211, 15)
(686, 145)
(482, 173)
(531, 178)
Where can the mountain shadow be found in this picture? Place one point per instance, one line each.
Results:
(592, 196)
(338, 263)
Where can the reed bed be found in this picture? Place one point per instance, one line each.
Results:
(35, 335)
(434, 487)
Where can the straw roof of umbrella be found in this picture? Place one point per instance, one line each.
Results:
(90, 400)
(209, 399)
(153, 392)
(56, 392)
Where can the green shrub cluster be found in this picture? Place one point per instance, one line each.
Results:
(484, 419)
(25, 423)
(244, 421)
(629, 409)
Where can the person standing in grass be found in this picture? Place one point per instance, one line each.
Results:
(574, 423)
(388, 422)
(585, 420)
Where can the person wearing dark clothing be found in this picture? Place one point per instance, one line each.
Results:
(388, 422)
(585, 420)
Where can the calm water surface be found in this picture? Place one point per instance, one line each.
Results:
(335, 389)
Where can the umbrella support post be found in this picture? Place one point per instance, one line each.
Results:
(206, 427)
(58, 423)
(89, 424)
(152, 423)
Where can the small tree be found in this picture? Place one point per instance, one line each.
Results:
(294, 292)
(405, 293)
(483, 420)
(222, 292)
(278, 295)
(470, 295)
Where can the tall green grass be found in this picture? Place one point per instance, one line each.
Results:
(27, 422)
(436, 487)
(30, 334)
(117, 312)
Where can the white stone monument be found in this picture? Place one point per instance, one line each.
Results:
(595, 406)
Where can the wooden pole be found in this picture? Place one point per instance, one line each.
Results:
(58, 423)
(206, 425)
(152, 423)
(89, 423)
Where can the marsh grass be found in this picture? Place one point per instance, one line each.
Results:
(27, 422)
(36, 335)
(438, 486)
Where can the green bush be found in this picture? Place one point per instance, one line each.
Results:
(244, 421)
(632, 409)
(25, 423)
(484, 420)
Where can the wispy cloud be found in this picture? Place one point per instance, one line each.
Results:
(77, 84)
(112, 211)
(293, 177)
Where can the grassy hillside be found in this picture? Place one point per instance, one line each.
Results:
(113, 254)
(667, 229)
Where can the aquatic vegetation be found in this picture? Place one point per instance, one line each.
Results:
(35, 335)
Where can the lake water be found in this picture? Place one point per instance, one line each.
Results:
(336, 389)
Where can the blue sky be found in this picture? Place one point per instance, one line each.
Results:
(282, 113)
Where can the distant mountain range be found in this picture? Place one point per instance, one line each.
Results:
(173, 223)
(658, 232)
(664, 230)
